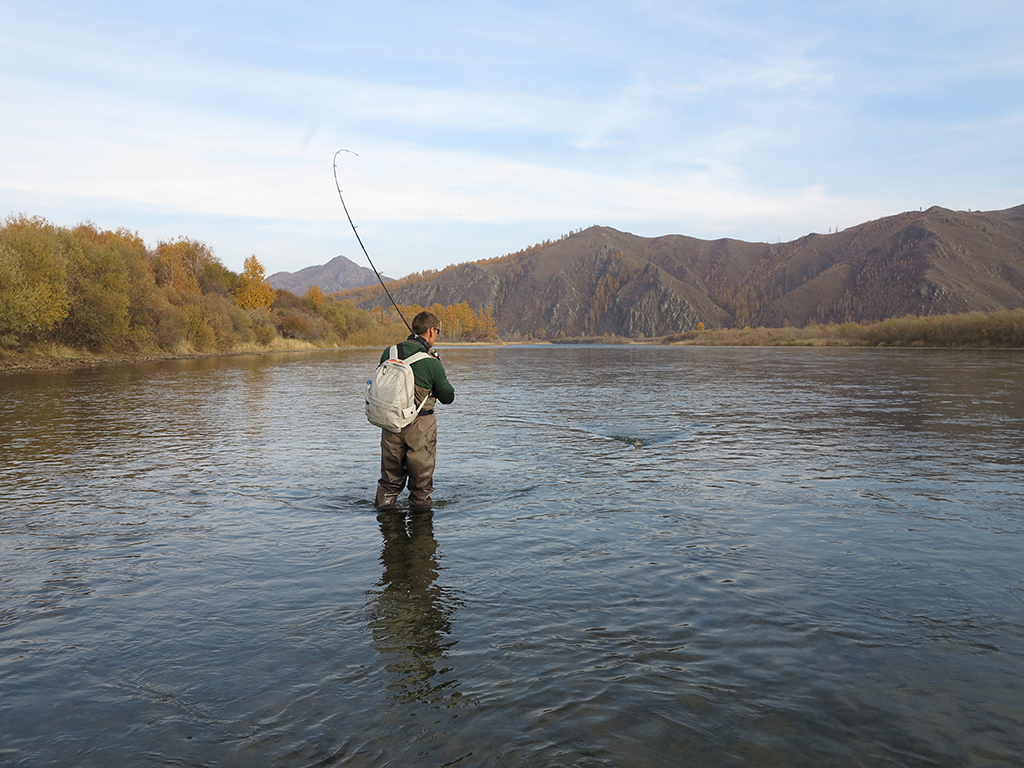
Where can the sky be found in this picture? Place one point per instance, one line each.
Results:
(474, 129)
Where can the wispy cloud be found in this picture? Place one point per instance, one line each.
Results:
(710, 120)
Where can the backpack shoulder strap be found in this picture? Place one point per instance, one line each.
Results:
(410, 360)
(416, 357)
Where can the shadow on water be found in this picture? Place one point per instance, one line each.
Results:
(411, 614)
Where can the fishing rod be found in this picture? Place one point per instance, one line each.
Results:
(360, 240)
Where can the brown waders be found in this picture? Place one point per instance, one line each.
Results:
(409, 455)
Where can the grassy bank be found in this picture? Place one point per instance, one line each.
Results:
(54, 357)
(1002, 329)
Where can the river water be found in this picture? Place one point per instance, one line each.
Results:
(639, 556)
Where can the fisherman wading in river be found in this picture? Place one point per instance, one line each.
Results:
(407, 453)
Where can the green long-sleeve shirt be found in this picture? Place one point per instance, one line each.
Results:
(429, 373)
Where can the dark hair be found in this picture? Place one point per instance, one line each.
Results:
(424, 321)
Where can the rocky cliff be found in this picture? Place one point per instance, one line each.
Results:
(602, 281)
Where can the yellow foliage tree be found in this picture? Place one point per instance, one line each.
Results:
(179, 263)
(458, 321)
(251, 292)
(486, 325)
(314, 297)
(33, 279)
(99, 315)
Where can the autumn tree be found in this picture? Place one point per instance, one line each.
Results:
(173, 265)
(99, 287)
(314, 298)
(459, 322)
(345, 317)
(216, 278)
(33, 279)
(250, 291)
(486, 325)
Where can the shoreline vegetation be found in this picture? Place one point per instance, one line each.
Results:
(80, 297)
(1002, 329)
(975, 330)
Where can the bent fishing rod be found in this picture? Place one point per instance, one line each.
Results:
(360, 240)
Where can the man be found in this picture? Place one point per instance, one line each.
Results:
(410, 454)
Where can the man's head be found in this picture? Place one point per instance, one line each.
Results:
(427, 325)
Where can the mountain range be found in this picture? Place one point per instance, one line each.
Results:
(338, 274)
(601, 281)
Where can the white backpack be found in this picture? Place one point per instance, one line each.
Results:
(391, 393)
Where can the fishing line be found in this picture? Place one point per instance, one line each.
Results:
(360, 240)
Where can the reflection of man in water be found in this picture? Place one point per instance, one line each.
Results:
(411, 615)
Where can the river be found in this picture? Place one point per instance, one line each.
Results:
(639, 556)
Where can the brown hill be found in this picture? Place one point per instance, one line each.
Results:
(338, 274)
(602, 281)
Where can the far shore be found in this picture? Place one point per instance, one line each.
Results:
(53, 358)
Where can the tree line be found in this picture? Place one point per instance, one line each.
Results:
(459, 322)
(105, 291)
(1001, 328)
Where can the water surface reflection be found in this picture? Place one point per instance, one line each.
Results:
(640, 556)
(411, 614)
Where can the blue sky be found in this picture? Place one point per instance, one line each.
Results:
(484, 127)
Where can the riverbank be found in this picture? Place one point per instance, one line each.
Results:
(975, 330)
(53, 357)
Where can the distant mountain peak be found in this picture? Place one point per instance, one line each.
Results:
(338, 274)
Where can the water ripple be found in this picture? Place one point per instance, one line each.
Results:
(711, 557)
